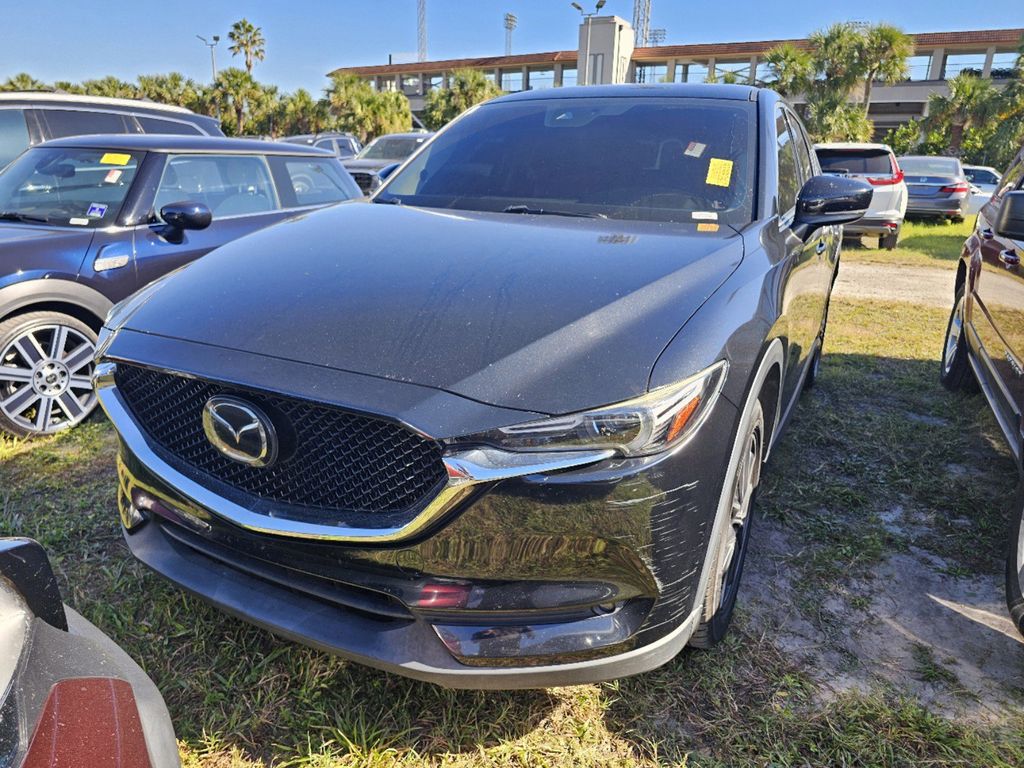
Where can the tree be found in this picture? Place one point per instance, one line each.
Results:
(791, 68)
(466, 88)
(971, 101)
(299, 112)
(884, 53)
(172, 88)
(359, 109)
(234, 92)
(22, 81)
(247, 40)
(110, 87)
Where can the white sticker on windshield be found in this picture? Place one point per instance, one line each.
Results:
(79, 222)
(96, 211)
(704, 216)
(695, 149)
(113, 175)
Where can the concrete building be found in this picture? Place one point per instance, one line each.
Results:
(606, 42)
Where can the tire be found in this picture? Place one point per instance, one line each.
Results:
(955, 371)
(1015, 565)
(731, 552)
(889, 241)
(46, 361)
(957, 219)
(813, 367)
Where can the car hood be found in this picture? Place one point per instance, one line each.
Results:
(26, 249)
(371, 166)
(538, 313)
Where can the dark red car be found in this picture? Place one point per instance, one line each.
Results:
(985, 336)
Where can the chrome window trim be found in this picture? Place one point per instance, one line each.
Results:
(466, 469)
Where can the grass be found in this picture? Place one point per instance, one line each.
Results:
(922, 243)
(876, 434)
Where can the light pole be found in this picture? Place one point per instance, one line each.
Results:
(586, 50)
(213, 54)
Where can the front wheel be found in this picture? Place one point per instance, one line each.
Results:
(1015, 566)
(46, 361)
(731, 552)
(956, 370)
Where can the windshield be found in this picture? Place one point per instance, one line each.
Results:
(930, 166)
(870, 162)
(654, 159)
(77, 187)
(392, 148)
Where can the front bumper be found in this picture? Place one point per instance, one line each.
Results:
(585, 574)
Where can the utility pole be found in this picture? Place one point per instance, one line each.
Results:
(510, 24)
(213, 54)
(586, 50)
(421, 30)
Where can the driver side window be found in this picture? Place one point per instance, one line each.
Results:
(789, 177)
(229, 185)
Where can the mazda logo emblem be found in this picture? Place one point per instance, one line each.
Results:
(240, 431)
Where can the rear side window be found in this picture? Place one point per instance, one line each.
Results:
(13, 134)
(803, 150)
(862, 162)
(789, 180)
(327, 144)
(1013, 178)
(75, 122)
(229, 185)
(173, 127)
(312, 181)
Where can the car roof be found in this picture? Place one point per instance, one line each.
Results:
(155, 142)
(406, 135)
(314, 136)
(637, 90)
(851, 145)
(45, 97)
(981, 168)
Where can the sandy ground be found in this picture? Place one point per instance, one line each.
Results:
(878, 630)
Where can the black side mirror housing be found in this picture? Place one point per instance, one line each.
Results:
(186, 215)
(830, 200)
(1010, 219)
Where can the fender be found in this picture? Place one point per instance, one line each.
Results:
(25, 294)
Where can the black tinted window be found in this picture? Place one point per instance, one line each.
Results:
(72, 122)
(871, 162)
(789, 180)
(803, 150)
(13, 134)
(981, 176)
(174, 127)
(656, 159)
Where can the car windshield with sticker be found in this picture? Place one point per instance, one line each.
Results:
(654, 159)
(67, 186)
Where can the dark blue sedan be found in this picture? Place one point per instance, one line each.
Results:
(86, 221)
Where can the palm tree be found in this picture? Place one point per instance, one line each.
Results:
(247, 40)
(466, 88)
(792, 69)
(22, 81)
(884, 53)
(301, 113)
(971, 101)
(172, 88)
(235, 91)
(110, 87)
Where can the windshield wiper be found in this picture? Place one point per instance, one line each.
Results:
(24, 217)
(549, 212)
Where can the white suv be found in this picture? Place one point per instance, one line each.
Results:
(876, 164)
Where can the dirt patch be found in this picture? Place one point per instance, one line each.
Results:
(887, 282)
(909, 626)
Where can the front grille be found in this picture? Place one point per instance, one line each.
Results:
(365, 181)
(339, 461)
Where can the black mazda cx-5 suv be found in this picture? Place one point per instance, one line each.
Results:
(501, 426)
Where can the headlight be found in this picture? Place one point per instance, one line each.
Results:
(661, 419)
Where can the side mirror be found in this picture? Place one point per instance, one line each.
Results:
(826, 200)
(386, 171)
(1010, 219)
(186, 215)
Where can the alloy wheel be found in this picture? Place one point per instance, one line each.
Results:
(46, 378)
(956, 325)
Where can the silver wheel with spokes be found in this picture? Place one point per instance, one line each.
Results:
(731, 549)
(46, 362)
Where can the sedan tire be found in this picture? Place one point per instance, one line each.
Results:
(46, 361)
(955, 372)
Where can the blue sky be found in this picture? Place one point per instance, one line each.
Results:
(78, 41)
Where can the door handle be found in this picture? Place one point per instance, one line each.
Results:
(820, 247)
(1009, 257)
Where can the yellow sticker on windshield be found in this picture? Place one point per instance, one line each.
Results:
(705, 227)
(719, 172)
(115, 158)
